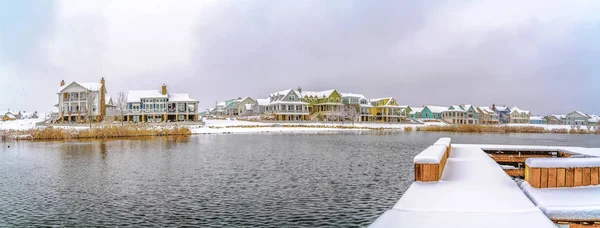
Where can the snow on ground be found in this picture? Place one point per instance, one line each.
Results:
(19, 124)
(548, 126)
(566, 203)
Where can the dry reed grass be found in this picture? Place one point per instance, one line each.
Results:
(51, 133)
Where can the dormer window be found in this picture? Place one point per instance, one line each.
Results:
(292, 97)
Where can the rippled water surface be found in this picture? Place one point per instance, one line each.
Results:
(220, 180)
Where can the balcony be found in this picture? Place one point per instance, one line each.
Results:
(292, 111)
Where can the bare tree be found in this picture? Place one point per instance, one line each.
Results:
(91, 106)
(350, 112)
(121, 106)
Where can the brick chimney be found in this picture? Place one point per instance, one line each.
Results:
(163, 91)
(102, 99)
(62, 83)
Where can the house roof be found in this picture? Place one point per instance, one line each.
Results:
(181, 97)
(559, 116)
(137, 95)
(516, 109)
(284, 92)
(91, 86)
(456, 107)
(318, 94)
(486, 110)
(263, 101)
(353, 95)
(414, 110)
(436, 109)
(10, 116)
(501, 108)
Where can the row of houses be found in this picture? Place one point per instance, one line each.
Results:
(84, 102)
(471, 114)
(17, 115)
(299, 105)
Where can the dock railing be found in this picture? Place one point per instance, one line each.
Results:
(429, 164)
(562, 172)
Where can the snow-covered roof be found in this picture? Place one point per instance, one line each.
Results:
(456, 107)
(318, 94)
(10, 116)
(284, 92)
(467, 107)
(137, 95)
(180, 97)
(487, 110)
(559, 116)
(539, 118)
(516, 109)
(91, 86)
(417, 109)
(353, 95)
(263, 101)
(501, 108)
(436, 109)
(581, 113)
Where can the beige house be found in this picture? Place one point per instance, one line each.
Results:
(519, 116)
(487, 116)
(247, 107)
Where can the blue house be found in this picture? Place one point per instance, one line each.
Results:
(432, 112)
(537, 120)
(503, 113)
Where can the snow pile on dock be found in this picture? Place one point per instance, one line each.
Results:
(574, 203)
(562, 162)
(431, 155)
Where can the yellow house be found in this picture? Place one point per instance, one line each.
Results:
(8, 116)
(327, 104)
(387, 110)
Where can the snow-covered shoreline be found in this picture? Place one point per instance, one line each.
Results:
(248, 127)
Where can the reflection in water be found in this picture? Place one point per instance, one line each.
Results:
(220, 180)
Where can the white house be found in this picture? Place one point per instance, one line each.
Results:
(519, 116)
(580, 118)
(160, 106)
(79, 102)
(363, 104)
(286, 105)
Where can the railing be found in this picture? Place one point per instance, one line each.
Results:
(291, 111)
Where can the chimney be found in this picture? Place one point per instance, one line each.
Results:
(164, 90)
(62, 83)
(299, 90)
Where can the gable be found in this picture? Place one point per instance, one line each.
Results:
(291, 96)
(576, 115)
(73, 87)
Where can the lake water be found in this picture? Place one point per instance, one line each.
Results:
(220, 180)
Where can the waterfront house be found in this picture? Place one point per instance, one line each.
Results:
(8, 116)
(461, 114)
(79, 102)
(556, 119)
(287, 105)
(218, 110)
(519, 116)
(247, 107)
(537, 120)
(487, 115)
(415, 113)
(580, 118)
(364, 107)
(160, 106)
(231, 107)
(324, 105)
(387, 110)
(503, 113)
(262, 105)
(432, 112)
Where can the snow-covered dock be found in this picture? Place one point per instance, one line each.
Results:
(474, 191)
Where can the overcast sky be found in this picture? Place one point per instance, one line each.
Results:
(539, 55)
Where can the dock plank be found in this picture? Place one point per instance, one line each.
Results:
(570, 175)
(552, 178)
(535, 175)
(587, 176)
(578, 177)
(595, 176)
(544, 178)
(560, 177)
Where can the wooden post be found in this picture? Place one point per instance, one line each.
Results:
(587, 176)
(544, 178)
(578, 178)
(570, 174)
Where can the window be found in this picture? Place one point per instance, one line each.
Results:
(292, 97)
